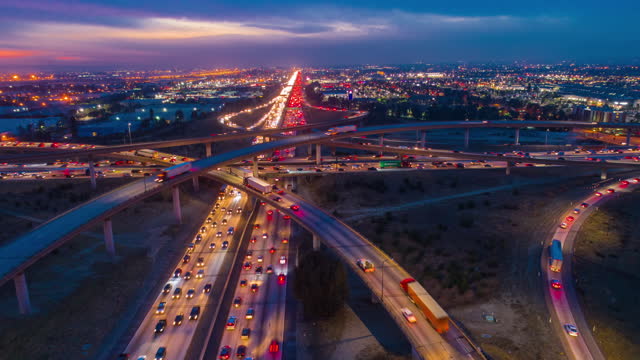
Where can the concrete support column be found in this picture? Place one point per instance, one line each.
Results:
(318, 154)
(603, 174)
(517, 142)
(196, 183)
(255, 166)
(508, 169)
(381, 143)
(92, 173)
(177, 211)
(466, 137)
(309, 149)
(107, 228)
(207, 149)
(22, 292)
(628, 137)
(423, 139)
(316, 242)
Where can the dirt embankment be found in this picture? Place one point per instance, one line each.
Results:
(478, 255)
(607, 268)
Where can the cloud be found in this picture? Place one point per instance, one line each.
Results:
(14, 53)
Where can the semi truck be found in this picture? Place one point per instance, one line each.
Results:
(258, 184)
(341, 129)
(173, 171)
(555, 256)
(438, 318)
(240, 171)
(147, 153)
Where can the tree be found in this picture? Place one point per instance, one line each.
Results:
(320, 283)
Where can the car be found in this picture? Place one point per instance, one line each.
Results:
(243, 282)
(239, 211)
(283, 260)
(366, 265)
(277, 198)
(598, 193)
(212, 246)
(610, 191)
(571, 329)
(260, 258)
(245, 334)
(253, 240)
(281, 278)
(223, 209)
(225, 245)
(237, 302)
(177, 321)
(287, 217)
(563, 225)
(217, 206)
(200, 274)
(230, 231)
(203, 229)
(177, 273)
(161, 308)
(207, 288)
(576, 211)
(187, 275)
(272, 250)
(195, 313)
(584, 205)
(254, 287)
(408, 314)
(225, 353)
(636, 180)
(224, 221)
(190, 293)
(294, 207)
(274, 346)
(249, 255)
(231, 323)
(198, 238)
(209, 220)
(219, 234)
(214, 224)
(262, 203)
(167, 289)
(160, 326)
(259, 270)
(161, 353)
(241, 351)
(270, 269)
(556, 284)
(176, 293)
(246, 265)
(265, 235)
(269, 212)
(186, 259)
(249, 314)
(570, 218)
(229, 211)
(257, 226)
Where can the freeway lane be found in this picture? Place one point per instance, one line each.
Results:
(176, 338)
(563, 303)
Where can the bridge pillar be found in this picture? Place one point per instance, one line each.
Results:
(22, 293)
(196, 183)
(316, 242)
(628, 137)
(318, 154)
(508, 169)
(423, 139)
(603, 174)
(107, 228)
(92, 173)
(176, 204)
(255, 166)
(517, 142)
(309, 149)
(207, 150)
(467, 132)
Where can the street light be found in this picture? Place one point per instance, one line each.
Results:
(382, 270)
(129, 125)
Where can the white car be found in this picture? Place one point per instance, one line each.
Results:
(260, 258)
(408, 315)
(571, 329)
(283, 260)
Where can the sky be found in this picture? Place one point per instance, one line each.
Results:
(186, 34)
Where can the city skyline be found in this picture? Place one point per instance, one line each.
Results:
(93, 35)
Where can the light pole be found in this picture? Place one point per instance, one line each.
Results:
(382, 287)
(129, 125)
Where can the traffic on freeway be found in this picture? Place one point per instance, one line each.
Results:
(576, 337)
(171, 321)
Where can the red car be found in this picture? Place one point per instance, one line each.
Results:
(295, 207)
(570, 218)
(285, 241)
(270, 212)
(287, 217)
(556, 284)
(281, 279)
(584, 205)
(624, 182)
(610, 191)
(274, 347)
(598, 193)
(272, 250)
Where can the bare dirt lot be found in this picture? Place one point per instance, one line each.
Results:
(606, 268)
(82, 298)
(477, 255)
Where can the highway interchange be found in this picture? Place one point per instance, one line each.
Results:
(267, 300)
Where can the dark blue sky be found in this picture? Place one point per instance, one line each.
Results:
(93, 34)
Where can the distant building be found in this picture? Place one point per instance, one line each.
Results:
(598, 114)
(340, 94)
